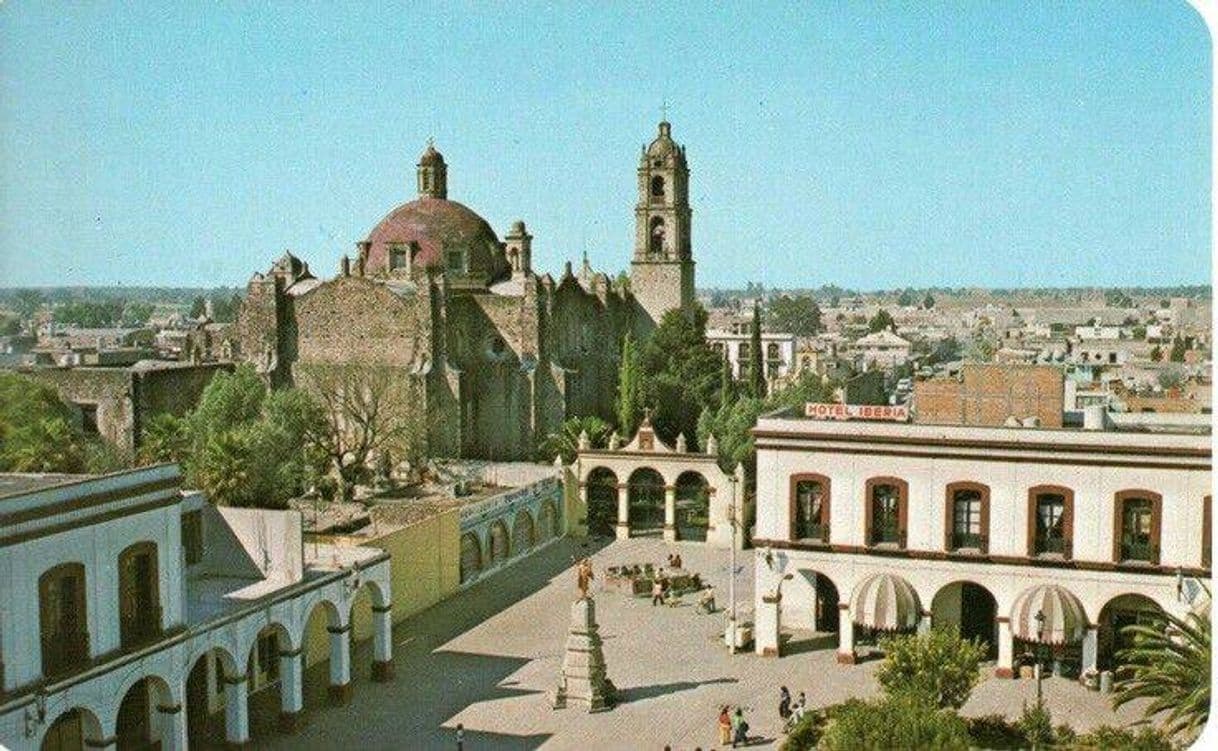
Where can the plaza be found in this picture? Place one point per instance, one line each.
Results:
(487, 657)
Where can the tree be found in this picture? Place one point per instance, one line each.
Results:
(906, 298)
(27, 302)
(565, 442)
(164, 439)
(881, 321)
(1169, 664)
(798, 315)
(628, 388)
(1156, 354)
(756, 373)
(928, 302)
(198, 307)
(936, 665)
(678, 373)
(895, 722)
(1173, 377)
(40, 433)
(1178, 348)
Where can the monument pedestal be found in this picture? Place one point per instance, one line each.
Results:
(583, 677)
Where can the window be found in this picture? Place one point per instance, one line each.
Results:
(656, 242)
(398, 258)
(1050, 521)
(1136, 526)
(657, 188)
(192, 536)
(63, 618)
(886, 511)
(88, 419)
(138, 594)
(456, 261)
(809, 510)
(967, 517)
(771, 351)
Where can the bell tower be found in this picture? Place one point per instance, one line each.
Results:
(432, 173)
(662, 271)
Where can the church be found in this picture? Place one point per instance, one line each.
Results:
(486, 355)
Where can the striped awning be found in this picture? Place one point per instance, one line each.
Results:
(1065, 621)
(885, 602)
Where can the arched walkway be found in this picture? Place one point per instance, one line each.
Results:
(139, 725)
(645, 490)
(498, 544)
(204, 697)
(602, 493)
(972, 609)
(693, 506)
(70, 730)
(471, 557)
(523, 534)
(1116, 615)
(547, 522)
(824, 616)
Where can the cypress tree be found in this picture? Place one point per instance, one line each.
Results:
(725, 384)
(756, 363)
(627, 389)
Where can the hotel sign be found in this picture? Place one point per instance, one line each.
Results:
(822, 411)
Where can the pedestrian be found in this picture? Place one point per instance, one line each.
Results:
(799, 708)
(706, 603)
(740, 729)
(657, 592)
(784, 703)
(725, 725)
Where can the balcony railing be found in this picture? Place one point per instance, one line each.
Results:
(966, 540)
(1137, 551)
(883, 534)
(1051, 545)
(64, 651)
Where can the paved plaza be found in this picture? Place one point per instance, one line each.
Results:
(487, 657)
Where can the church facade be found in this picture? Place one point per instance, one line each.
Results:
(487, 356)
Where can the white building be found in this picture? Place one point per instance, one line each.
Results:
(779, 351)
(882, 349)
(133, 612)
(866, 526)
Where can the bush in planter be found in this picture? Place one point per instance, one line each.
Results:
(896, 722)
(937, 665)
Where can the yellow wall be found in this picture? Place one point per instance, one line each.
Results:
(425, 566)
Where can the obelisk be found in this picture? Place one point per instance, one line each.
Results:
(583, 678)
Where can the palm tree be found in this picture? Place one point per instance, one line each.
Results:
(565, 442)
(1169, 663)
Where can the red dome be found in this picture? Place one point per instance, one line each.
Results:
(434, 226)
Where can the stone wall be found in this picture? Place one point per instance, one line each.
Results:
(987, 395)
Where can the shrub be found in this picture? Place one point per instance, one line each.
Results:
(937, 665)
(1108, 738)
(897, 722)
(996, 732)
(807, 732)
(1036, 724)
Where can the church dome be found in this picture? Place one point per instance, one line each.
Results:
(427, 230)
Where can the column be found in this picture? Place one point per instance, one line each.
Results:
(623, 512)
(845, 635)
(583, 502)
(766, 626)
(1006, 649)
(382, 643)
(236, 711)
(924, 623)
(340, 664)
(173, 727)
(670, 513)
(291, 690)
(1091, 648)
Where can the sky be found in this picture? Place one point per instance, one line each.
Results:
(873, 146)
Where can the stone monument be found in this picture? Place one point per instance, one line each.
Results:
(583, 676)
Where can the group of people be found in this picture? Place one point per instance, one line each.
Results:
(790, 712)
(733, 728)
(661, 591)
(674, 560)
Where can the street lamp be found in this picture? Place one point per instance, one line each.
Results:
(731, 582)
(1040, 641)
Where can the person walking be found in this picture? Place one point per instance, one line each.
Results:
(657, 592)
(784, 704)
(725, 725)
(740, 729)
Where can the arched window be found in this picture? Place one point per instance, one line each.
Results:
(657, 188)
(63, 618)
(771, 351)
(809, 507)
(967, 517)
(656, 242)
(886, 511)
(1050, 521)
(139, 601)
(1135, 526)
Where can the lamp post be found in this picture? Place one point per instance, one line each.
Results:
(731, 582)
(1040, 641)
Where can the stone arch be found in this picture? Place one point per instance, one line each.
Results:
(498, 543)
(692, 505)
(547, 521)
(826, 601)
(657, 187)
(645, 494)
(1117, 613)
(471, 557)
(262, 655)
(971, 608)
(524, 532)
(206, 671)
(72, 729)
(655, 235)
(601, 488)
(139, 721)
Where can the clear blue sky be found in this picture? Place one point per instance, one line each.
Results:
(980, 143)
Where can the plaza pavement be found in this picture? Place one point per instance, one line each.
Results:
(487, 657)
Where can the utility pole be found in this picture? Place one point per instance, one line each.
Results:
(731, 582)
